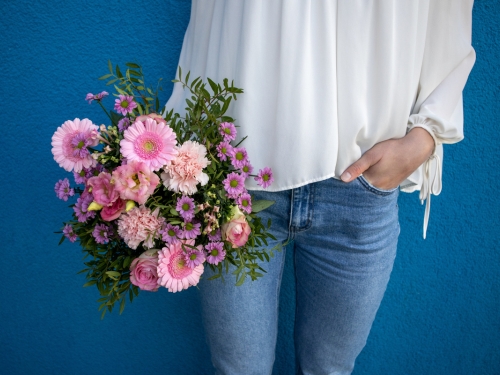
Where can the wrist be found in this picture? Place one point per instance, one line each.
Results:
(421, 142)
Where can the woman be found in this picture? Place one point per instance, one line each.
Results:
(348, 102)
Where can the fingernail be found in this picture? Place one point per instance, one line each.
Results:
(345, 176)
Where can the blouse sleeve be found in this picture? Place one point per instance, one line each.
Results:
(447, 61)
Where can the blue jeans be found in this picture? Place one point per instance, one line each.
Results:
(344, 237)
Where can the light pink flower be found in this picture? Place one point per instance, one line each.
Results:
(143, 271)
(186, 170)
(135, 181)
(72, 156)
(149, 142)
(125, 104)
(103, 190)
(113, 211)
(173, 272)
(237, 230)
(140, 224)
(154, 116)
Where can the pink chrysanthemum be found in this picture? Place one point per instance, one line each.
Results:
(86, 173)
(186, 170)
(191, 230)
(70, 142)
(171, 234)
(194, 257)
(125, 104)
(140, 224)
(150, 142)
(123, 124)
(173, 272)
(224, 150)
(246, 168)
(239, 157)
(81, 207)
(234, 184)
(245, 202)
(62, 189)
(228, 131)
(101, 233)
(265, 177)
(185, 207)
(215, 235)
(90, 97)
(69, 233)
(216, 252)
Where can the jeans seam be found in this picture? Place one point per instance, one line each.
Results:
(374, 189)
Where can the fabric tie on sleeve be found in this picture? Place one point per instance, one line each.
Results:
(431, 185)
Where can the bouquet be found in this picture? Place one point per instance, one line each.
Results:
(159, 196)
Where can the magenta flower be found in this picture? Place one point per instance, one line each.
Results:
(125, 104)
(224, 150)
(69, 233)
(135, 181)
(173, 272)
(150, 142)
(216, 252)
(239, 157)
(194, 257)
(245, 202)
(140, 224)
(171, 234)
(191, 230)
(103, 190)
(90, 97)
(234, 184)
(101, 233)
(215, 235)
(81, 206)
(114, 210)
(246, 168)
(62, 189)
(228, 131)
(185, 207)
(123, 124)
(70, 142)
(265, 177)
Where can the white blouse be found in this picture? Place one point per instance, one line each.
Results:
(325, 80)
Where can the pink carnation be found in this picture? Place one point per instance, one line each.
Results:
(154, 116)
(186, 170)
(135, 181)
(143, 271)
(140, 224)
(173, 271)
(70, 142)
(103, 190)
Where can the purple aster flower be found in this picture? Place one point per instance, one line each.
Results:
(215, 235)
(223, 150)
(246, 169)
(80, 142)
(191, 230)
(245, 202)
(123, 124)
(80, 177)
(228, 131)
(62, 189)
(215, 252)
(69, 233)
(239, 157)
(101, 233)
(81, 206)
(171, 234)
(90, 97)
(125, 104)
(234, 184)
(265, 177)
(185, 207)
(194, 257)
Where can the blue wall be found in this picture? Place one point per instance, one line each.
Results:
(441, 313)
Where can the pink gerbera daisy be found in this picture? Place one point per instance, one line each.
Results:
(173, 272)
(70, 142)
(150, 142)
(125, 104)
(234, 184)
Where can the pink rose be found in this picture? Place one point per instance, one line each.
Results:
(143, 271)
(103, 190)
(153, 116)
(135, 181)
(237, 230)
(114, 211)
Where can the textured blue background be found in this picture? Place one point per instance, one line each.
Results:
(440, 314)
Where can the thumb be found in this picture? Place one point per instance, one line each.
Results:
(358, 167)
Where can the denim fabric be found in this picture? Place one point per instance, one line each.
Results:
(344, 239)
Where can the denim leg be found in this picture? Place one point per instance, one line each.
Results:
(241, 322)
(343, 260)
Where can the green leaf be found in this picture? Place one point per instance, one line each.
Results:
(122, 305)
(213, 85)
(91, 282)
(110, 67)
(106, 76)
(118, 72)
(260, 205)
(132, 65)
(113, 273)
(62, 239)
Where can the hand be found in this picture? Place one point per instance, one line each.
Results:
(390, 162)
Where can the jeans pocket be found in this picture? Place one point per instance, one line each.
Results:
(373, 189)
